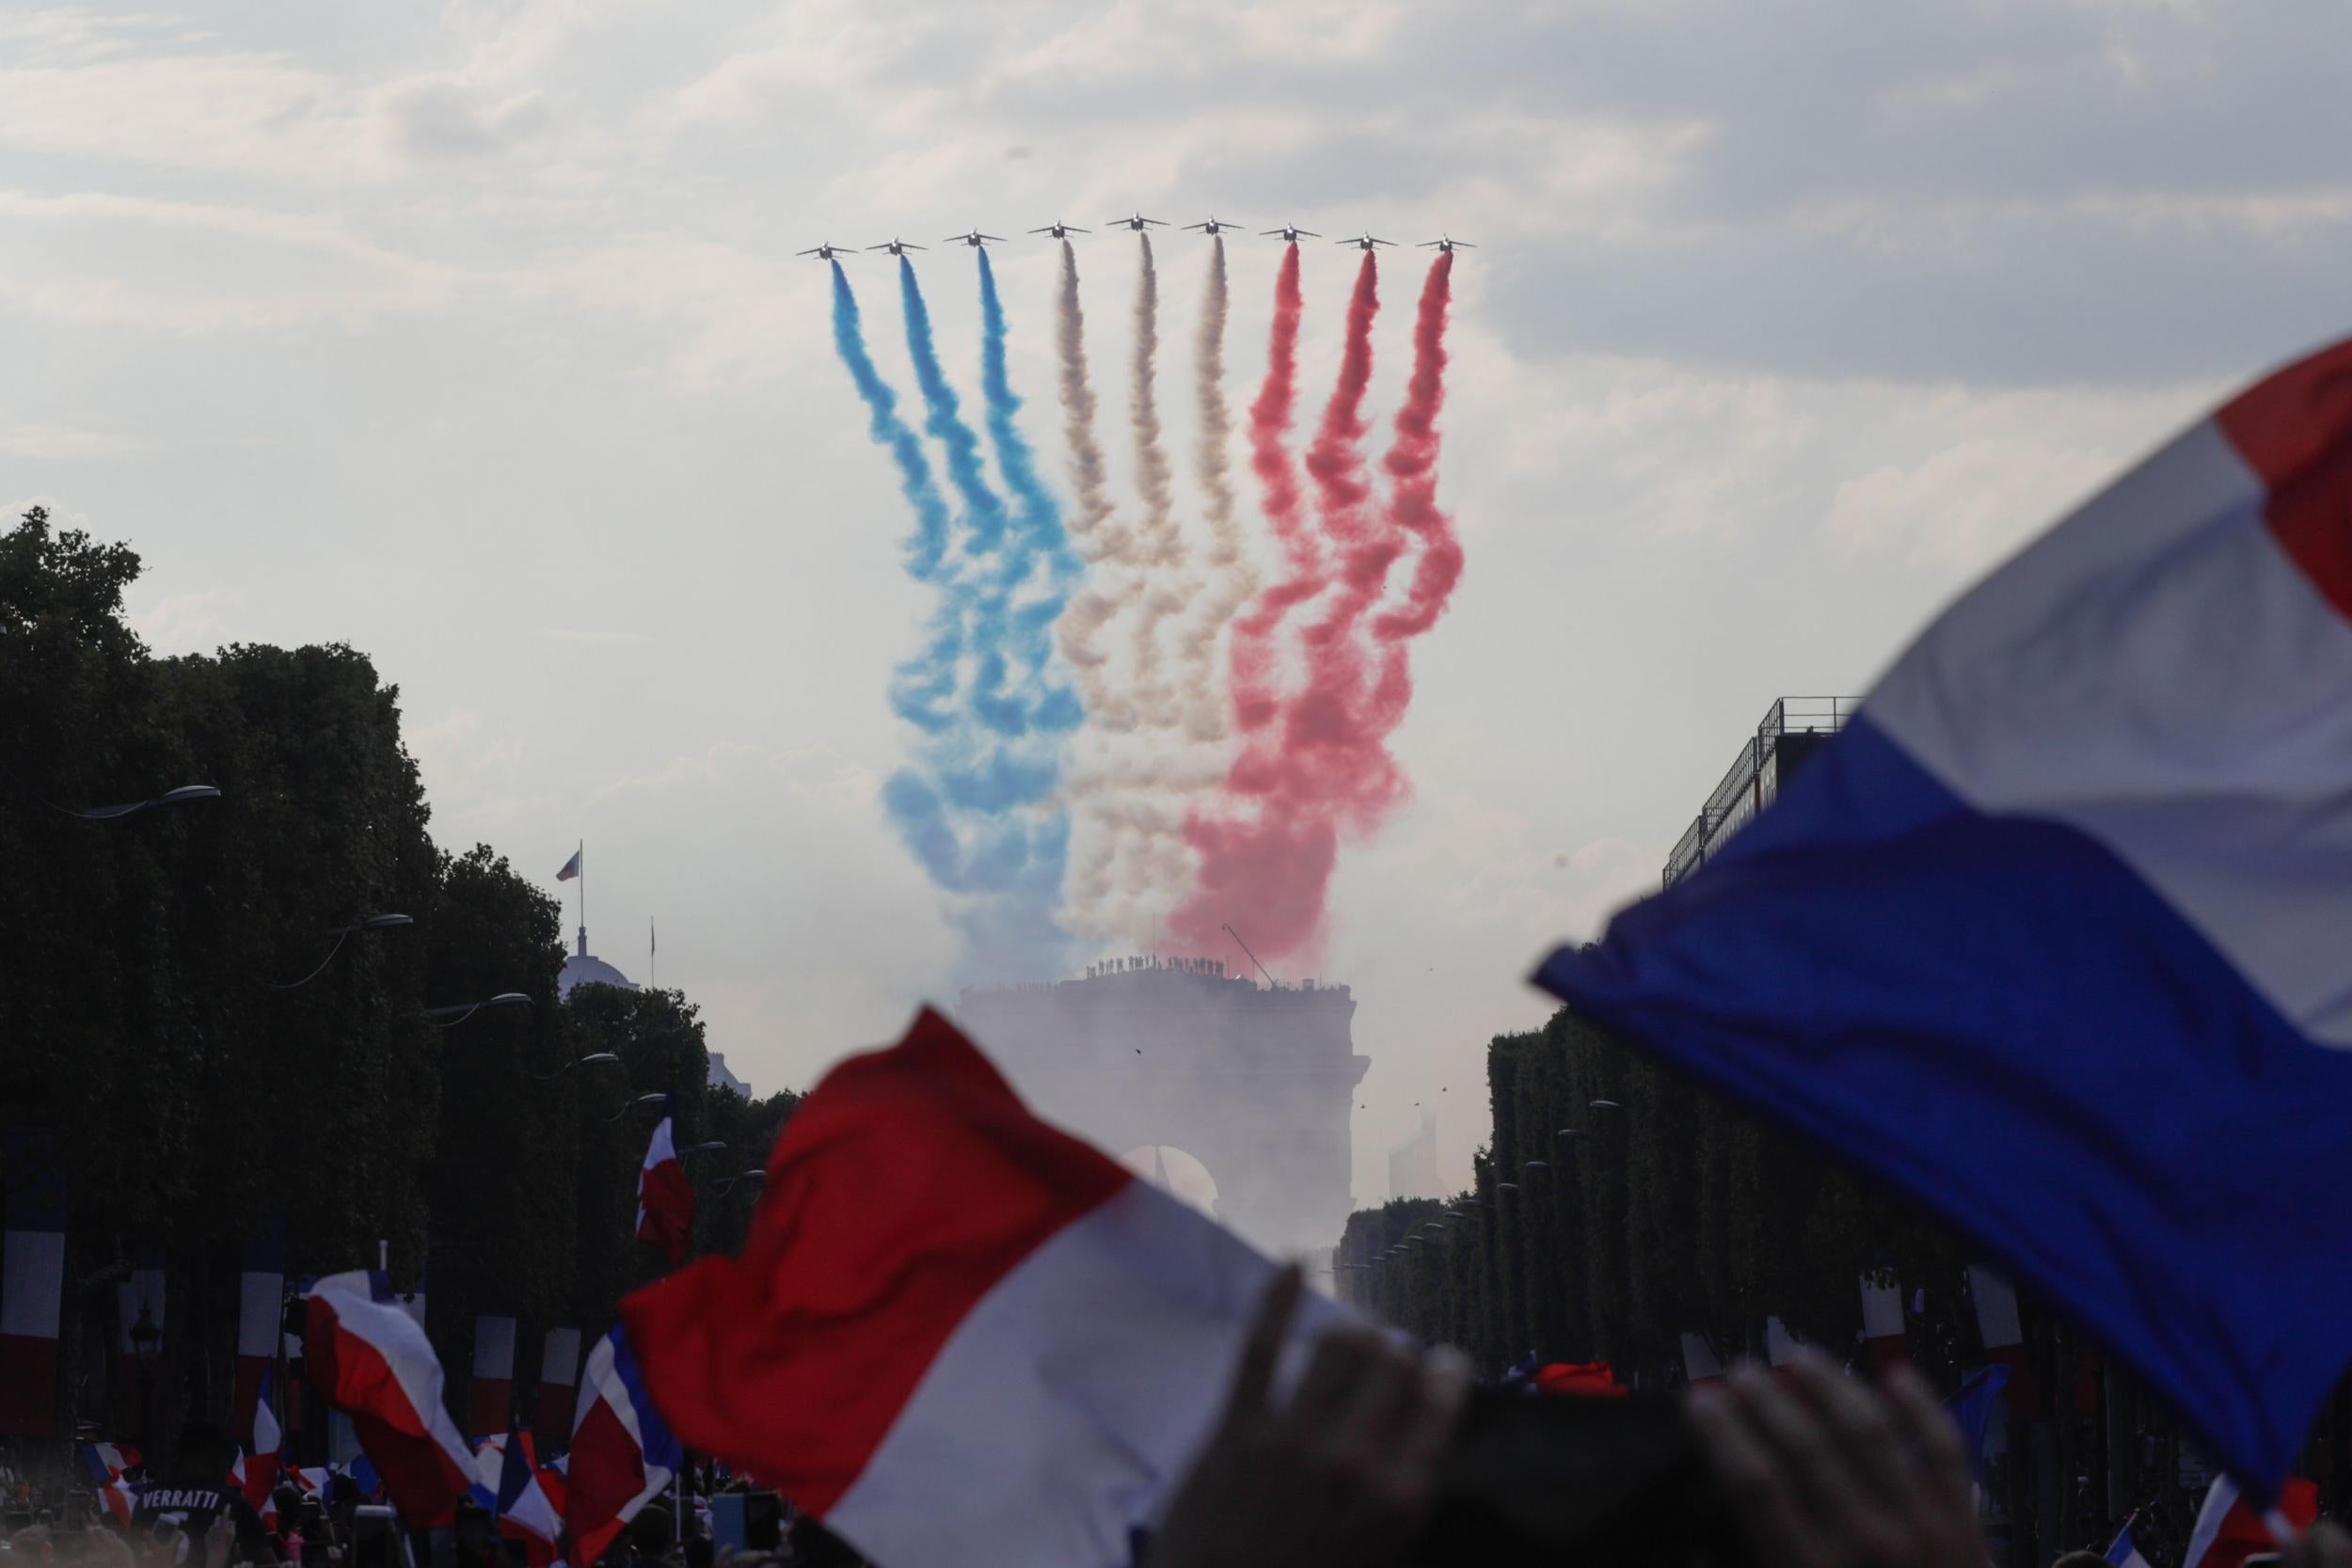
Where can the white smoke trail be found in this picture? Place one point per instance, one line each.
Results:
(1166, 588)
(1235, 579)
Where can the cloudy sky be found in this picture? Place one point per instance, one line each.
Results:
(471, 335)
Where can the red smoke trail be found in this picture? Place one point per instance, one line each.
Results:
(1326, 770)
(1250, 660)
(1412, 465)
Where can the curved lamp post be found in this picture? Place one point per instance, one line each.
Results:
(457, 1012)
(187, 795)
(345, 933)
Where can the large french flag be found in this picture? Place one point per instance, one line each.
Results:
(261, 1313)
(523, 1504)
(665, 1203)
(32, 1292)
(369, 1360)
(2053, 936)
(959, 1334)
(559, 1371)
(623, 1453)
(490, 1397)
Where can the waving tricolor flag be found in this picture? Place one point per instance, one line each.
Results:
(106, 1462)
(962, 1336)
(623, 1454)
(2229, 1529)
(371, 1360)
(665, 1203)
(2053, 935)
(524, 1509)
(262, 1460)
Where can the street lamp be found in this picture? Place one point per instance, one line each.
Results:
(343, 934)
(596, 1058)
(1603, 1106)
(729, 1184)
(187, 795)
(1571, 1132)
(457, 1012)
(1506, 1186)
(699, 1148)
(654, 1099)
(1536, 1165)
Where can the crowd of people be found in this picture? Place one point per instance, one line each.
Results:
(1338, 1464)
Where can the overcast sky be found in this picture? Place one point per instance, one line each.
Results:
(471, 335)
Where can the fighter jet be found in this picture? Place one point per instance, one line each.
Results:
(827, 252)
(1364, 242)
(896, 247)
(1139, 222)
(1446, 242)
(974, 238)
(1212, 228)
(1061, 231)
(1291, 232)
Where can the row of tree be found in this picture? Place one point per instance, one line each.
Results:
(185, 1036)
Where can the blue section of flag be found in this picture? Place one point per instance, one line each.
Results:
(1998, 1015)
(514, 1475)
(2123, 1552)
(659, 1445)
(1972, 1410)
(363, 1475)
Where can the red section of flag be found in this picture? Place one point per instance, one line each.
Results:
(2241, 1532)
(2295, 430)
(28, 1384)
(904, 1188)
(421, 1475)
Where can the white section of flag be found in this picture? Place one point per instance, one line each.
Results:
(2089, 682)
(1121, 1308)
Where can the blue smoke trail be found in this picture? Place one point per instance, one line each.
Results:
(1040, 534)
(975, 805)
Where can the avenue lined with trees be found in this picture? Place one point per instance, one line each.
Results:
(214, 1022)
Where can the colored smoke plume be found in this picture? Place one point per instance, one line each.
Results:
(1164, 588)
(976, 805)
(1234, 578)
(1320, 769)
(1250, 661)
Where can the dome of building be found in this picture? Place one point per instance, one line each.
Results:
(582, 969)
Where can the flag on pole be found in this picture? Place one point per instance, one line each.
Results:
(623, 1454)
(32, 1290)
(2123, 1551)
(665, 1202)
(264, 1457)
(523, 1507)
(571, 868)
(939, 1285)
(490, 1399)
(261, 1314)
(371, 1360)
(559, 1371)
(2061, 914)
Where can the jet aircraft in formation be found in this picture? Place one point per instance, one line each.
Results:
(1139, 224)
